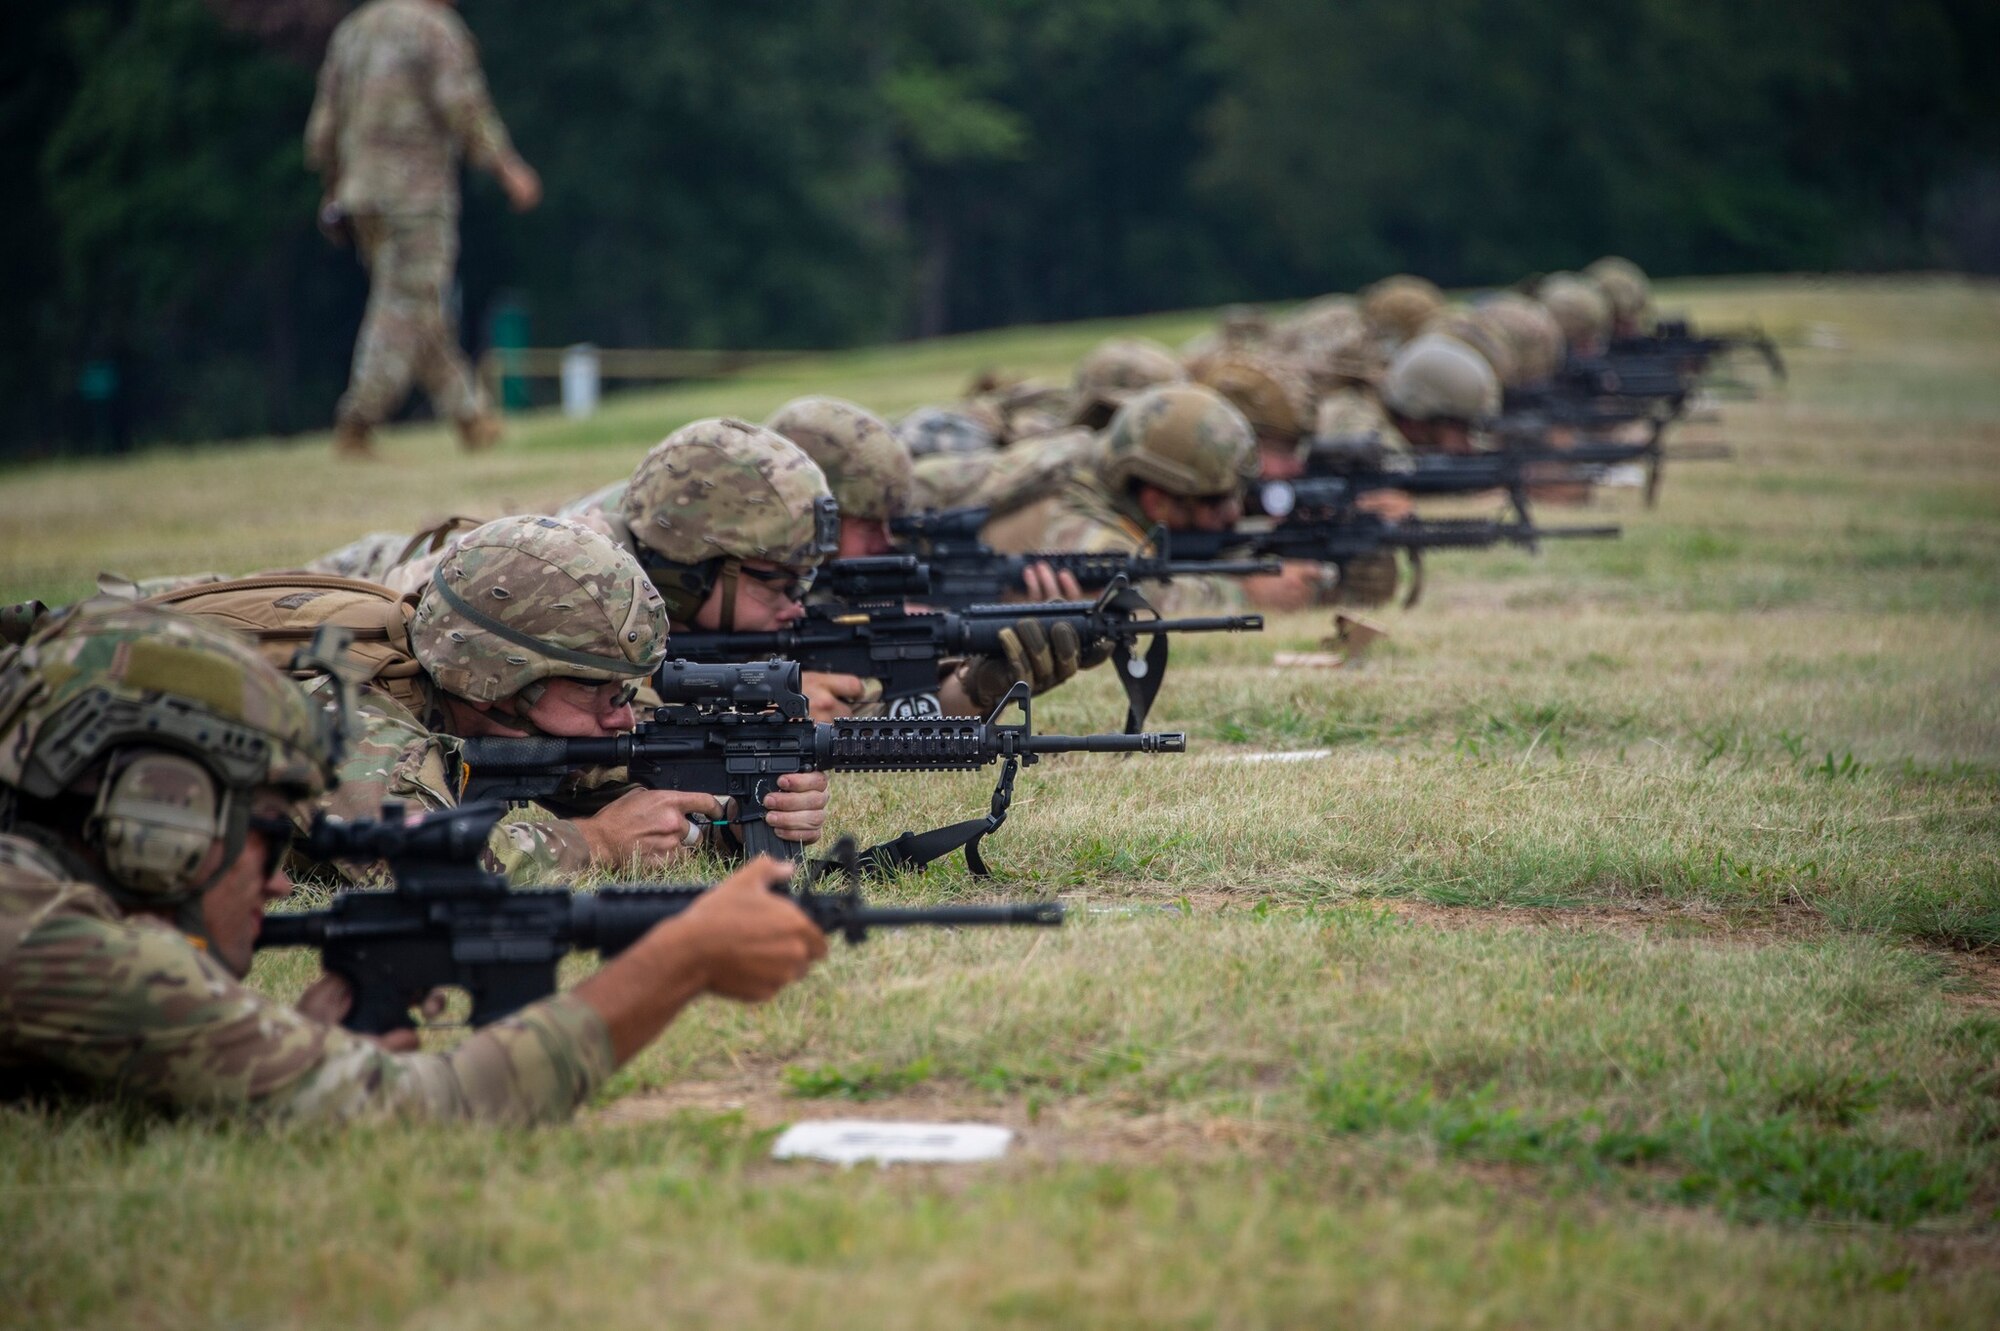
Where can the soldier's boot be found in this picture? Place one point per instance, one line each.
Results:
(478, 433)
(354, 442)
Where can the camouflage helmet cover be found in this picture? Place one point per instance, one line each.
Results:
(1115, 369)
(1398, 307)
(106, 676)
(1184, 438)
(1440, 378)
(1579, 306)
(1531, 331)
(866, 465)
(956, 431)
(1624, 284)
(1273, 396)
(727, 489)
(525, 599)
(1482, 335)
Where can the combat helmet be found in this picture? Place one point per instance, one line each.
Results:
(522, 600)
(866, 465)
(1275, 398)
(1533, 334)
(1115, 369)
(1579, 307)
(1398, 307)
(956, 431)
(1440, 378)
(1625, 285)
(717, 492)
(176, 720)
(1481, 334)
(1184, 438)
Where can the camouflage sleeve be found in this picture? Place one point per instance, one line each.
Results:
(1212, 595)
(458, 89)
(135, 1006)
(392, 757)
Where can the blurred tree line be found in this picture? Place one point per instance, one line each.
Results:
(821, 172)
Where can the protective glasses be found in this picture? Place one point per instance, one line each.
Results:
(278, 834)
(605, 695)
(791, 584)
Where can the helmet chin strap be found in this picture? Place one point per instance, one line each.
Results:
(732, 572)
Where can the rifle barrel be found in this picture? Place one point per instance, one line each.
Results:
(1032, 913)
(1162, 741)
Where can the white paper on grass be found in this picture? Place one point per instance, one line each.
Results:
(848, 1141)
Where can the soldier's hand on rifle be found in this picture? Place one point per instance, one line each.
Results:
(741, 940)
(1391, 505)
(652, 826)
(834, 696)
(749, 941)
(1044, 658)
(1049, 584)
(329, 998)
(1300, 584)
(796, 810)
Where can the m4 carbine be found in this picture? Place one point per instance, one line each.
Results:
(731, 731)
(903, 647)
(1336, 534)
(448, 922)
(950, 568)
(1676, 341)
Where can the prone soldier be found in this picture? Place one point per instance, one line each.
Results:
(151, 769)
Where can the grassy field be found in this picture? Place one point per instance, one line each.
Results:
(1619, 949)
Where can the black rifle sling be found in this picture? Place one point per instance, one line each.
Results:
(913, 851)
(1140, 677)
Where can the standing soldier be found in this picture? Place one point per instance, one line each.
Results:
(401, 100)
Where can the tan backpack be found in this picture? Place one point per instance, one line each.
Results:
(282, 610)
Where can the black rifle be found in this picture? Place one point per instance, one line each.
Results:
(949, 567)
(903, 647)
(448, 922)
(1675, 341)
(731, 731)
(1338, 533)
(1339, 471)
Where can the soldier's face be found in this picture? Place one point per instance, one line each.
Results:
(760, 606)
(861, 537)
(582, 709)
(232, 911)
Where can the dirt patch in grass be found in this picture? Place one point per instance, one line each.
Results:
(1759, 930)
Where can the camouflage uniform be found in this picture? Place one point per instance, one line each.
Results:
(95, 1000)
(401, 99)
(1012, 479)
(393, 756)
(100, 994)
(1184, 439)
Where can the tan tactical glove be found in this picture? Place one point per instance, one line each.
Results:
(1043, 659)
(1368, 580)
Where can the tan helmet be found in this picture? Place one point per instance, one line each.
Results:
(179, 720)
(1482, 335)
(523, 600)
(1532, 333)
(1184, 438)
(1398, 307)
(1273, 396)
(1440, 378)
(1115, 369)
(961, 431)
(1328, 321)
(865, 464)
(1625, 285)
(721, 490)
(1579, 307)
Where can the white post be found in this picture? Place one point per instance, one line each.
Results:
(580, 381)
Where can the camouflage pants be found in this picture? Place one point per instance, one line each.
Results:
(406, 335)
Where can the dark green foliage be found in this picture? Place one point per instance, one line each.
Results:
(828, 172)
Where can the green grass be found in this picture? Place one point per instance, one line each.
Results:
(1628, 959)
